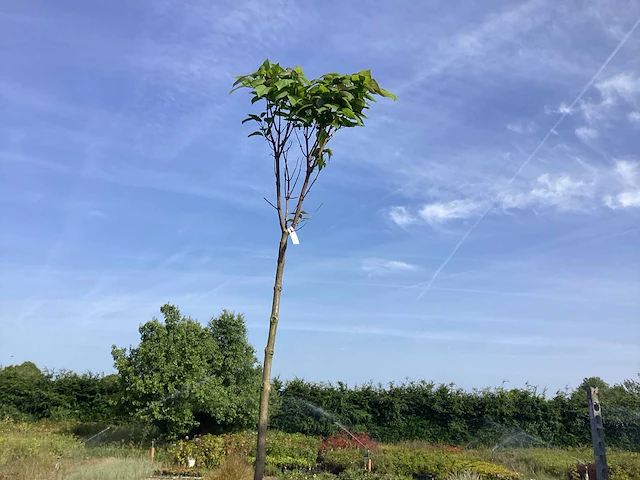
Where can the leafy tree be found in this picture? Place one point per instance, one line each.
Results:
(25, 392)
(184, 375)
(311, 112)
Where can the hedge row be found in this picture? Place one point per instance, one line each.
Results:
(448, 415)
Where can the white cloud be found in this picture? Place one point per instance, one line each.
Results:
(563, 109)
(380, 266)
(549, 191)
(628, 173)
(629, 199)
(586, 133)
(435, 212)
(401, 216)
(522, 127)
(634, 117)
(623, 86)
(560, 191)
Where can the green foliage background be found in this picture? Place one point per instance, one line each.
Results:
(445, 414)
(188, 378)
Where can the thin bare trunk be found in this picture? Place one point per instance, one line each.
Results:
(265, 390)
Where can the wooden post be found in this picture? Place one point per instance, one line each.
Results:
(597, 433)
(153, 449)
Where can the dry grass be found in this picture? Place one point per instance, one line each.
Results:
(234, 468)
(41, 452)
(464, 476)
(112, 469)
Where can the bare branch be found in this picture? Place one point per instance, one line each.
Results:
(297, 172)
(303, 222)
(267, 200)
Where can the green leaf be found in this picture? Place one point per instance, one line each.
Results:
(384, 93)
(282, 83)
(374, 86)
(251, 117)
(256, 133)
(349, 113)
(262, 90)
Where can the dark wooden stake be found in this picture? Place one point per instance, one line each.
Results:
(597, 433)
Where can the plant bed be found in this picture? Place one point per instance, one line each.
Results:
(177, 472)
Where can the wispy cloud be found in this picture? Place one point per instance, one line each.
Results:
(401, 216)
(436, 212)
(548, 191)
(628, 174)
(380, 266)
(586, 133)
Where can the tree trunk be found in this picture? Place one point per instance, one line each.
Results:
(265, 390)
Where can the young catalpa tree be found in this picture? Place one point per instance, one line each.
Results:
(305, 114)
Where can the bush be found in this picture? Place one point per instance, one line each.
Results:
(235, 467)
(363, 475)
(177, 472)
(207, 451)
(343, 440)
(292, 450)
(296, 475)
(284, 450)
(337, 461)
(464, 476)
(407, 459)
(624, 465)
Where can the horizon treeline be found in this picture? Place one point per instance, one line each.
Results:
(186, 378)
(424, 411)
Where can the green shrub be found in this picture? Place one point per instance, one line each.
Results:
(174, 472)
(235, 467)
(465, 475)
(624, 465)
(363, 475)
(207, 451)
(297, 475)
(564, 463)
(337, 461)
(292, 450)
(284, 450)
(552, 462)
(405, 460)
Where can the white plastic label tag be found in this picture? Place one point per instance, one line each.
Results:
(294, 236)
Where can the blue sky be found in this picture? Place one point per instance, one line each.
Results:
(453, 243)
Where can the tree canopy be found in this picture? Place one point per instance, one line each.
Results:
(184, 375)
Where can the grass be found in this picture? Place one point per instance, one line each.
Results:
(42, 451)
(234, 468)
(111, 469)
(46, 451)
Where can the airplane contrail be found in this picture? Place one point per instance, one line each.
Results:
(530, 157)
